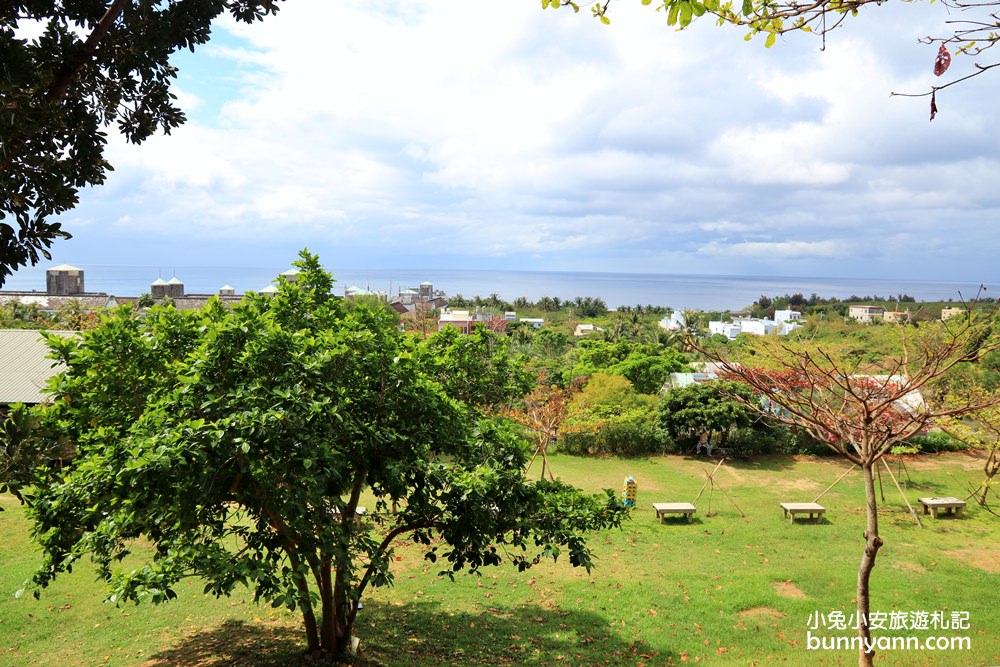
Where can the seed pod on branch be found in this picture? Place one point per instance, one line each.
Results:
(942, 61)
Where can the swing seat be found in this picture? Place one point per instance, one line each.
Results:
(949, 505)
(665, 509)
(812, 509)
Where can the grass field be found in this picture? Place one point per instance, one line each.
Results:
(724, 589)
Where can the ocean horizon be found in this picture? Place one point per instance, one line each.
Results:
(700, 292)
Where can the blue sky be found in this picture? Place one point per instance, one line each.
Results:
(468, 135)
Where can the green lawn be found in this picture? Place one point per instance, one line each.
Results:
(724, 589)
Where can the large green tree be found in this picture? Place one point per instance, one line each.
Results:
(706, 414)
(647, 366)
(241, 443)
(69, 69)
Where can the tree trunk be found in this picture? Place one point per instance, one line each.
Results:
(305, 603)
(991, 468)
(330, 630)
(866, 655)
(338, 619)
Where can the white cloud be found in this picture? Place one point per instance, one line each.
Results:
(777, 250)
(404, 133)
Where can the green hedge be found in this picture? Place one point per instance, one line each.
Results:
(629, 438)
(936, 441)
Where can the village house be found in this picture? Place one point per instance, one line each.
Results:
(755, 327)
(464, 320)
(866, 314)
(898, 317)
(585, 329)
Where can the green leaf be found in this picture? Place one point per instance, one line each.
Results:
(686, 14)
(605, 20)
(771, 39)
(307, 463)
(672, 14)
(747, 7)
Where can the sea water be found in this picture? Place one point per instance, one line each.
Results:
(700, 292)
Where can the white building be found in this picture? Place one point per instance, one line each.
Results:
(585, 329)
(787, 316)
(674, 322)
(728, 329)
(866, 314)
(752, 326)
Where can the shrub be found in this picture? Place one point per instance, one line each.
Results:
(613, 430)
(936, 441)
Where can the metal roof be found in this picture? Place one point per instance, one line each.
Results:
(25, 366)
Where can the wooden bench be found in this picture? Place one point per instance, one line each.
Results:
(663, 509)
(812, 509)
(934, 505)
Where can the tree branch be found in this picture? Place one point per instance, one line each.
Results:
(69, 71)
(981, 69)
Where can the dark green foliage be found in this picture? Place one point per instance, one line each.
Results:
(588, 306)
(27, 457)
(238, 442)
(609, 417)
(616, 433)
(707, 414)
(760, 441)
(936, 441)
(646, 366)
(96, 63)
(550, 343)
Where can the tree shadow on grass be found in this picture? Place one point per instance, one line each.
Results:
(236, 643)
(764, 463)
(427, 634)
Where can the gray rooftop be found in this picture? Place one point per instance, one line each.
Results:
(24, 366)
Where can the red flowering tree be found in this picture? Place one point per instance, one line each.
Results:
(862, 409)
(543, 411)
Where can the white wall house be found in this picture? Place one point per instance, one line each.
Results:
(756, 327)
(787, 316)
(866, 314)
(752, 326)
(674, 322)
(583, 329)
(728, 329)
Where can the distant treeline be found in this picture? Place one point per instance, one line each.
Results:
(765, 305)
(582, 306)
(799, 300)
